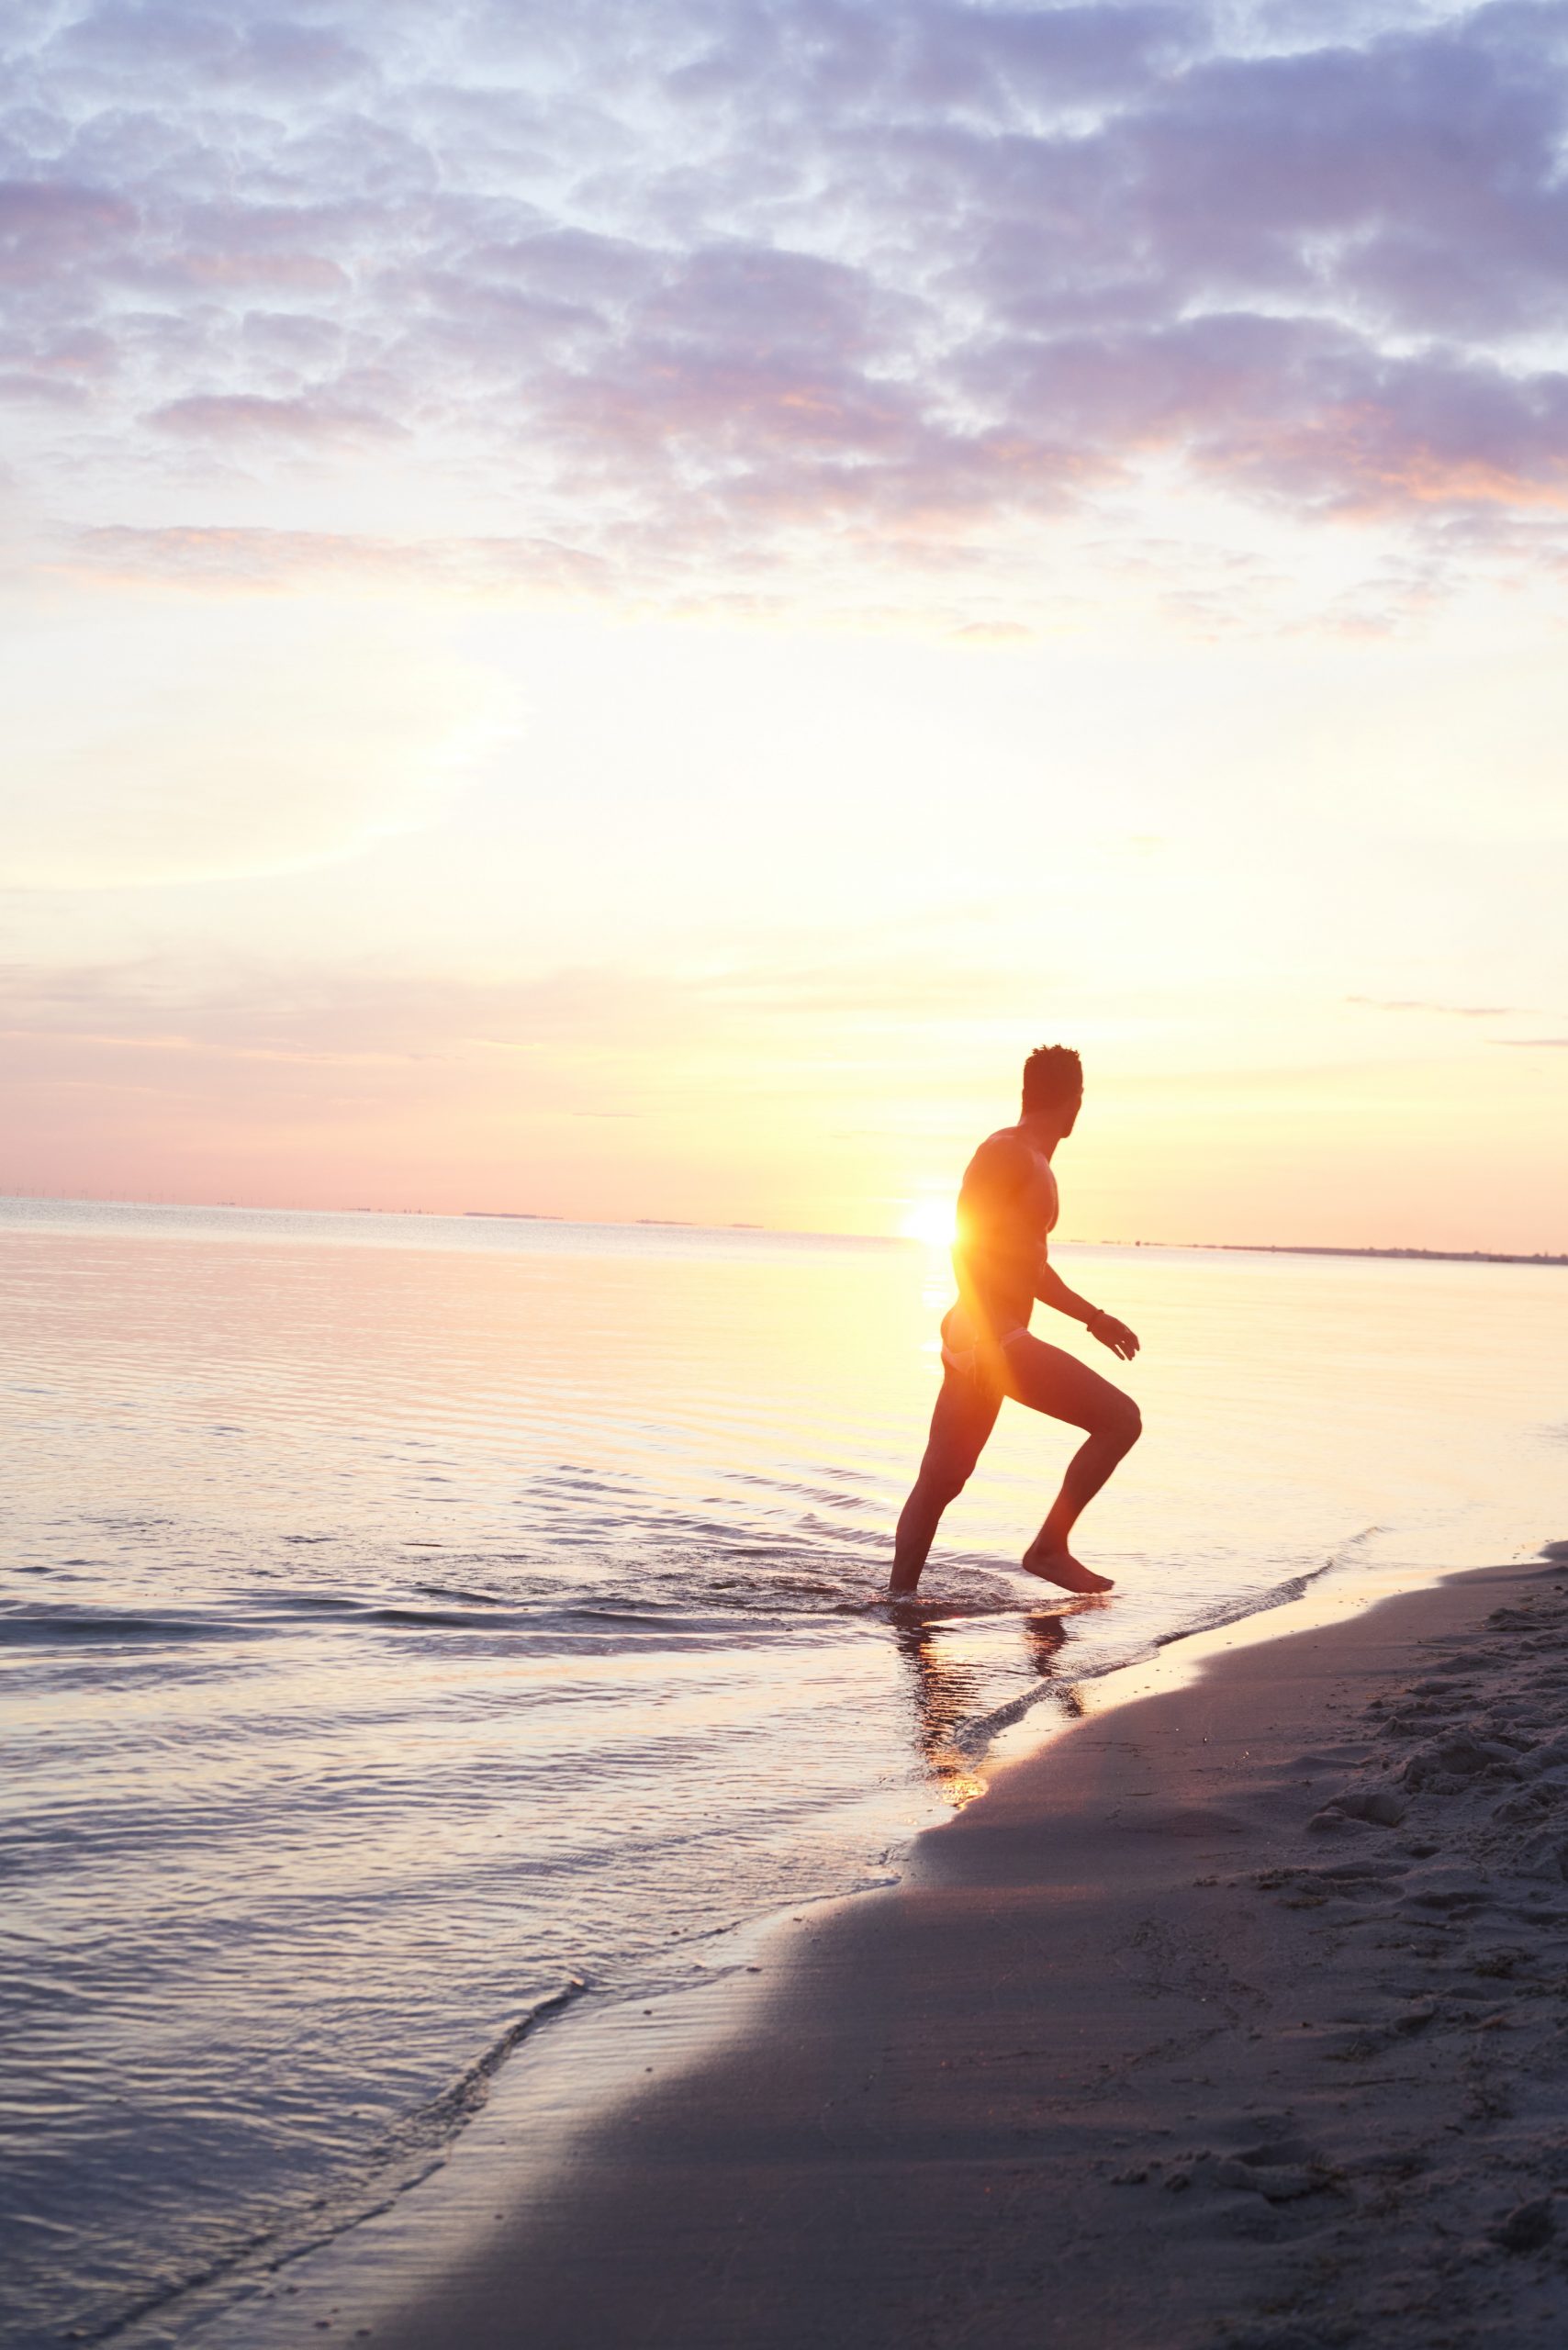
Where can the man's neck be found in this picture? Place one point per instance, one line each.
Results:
(1042, 1133)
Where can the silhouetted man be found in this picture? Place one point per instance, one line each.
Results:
(1006, 1207)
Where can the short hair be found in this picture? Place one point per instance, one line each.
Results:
(1053, 1075)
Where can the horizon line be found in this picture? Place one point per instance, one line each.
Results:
(1405, 1250)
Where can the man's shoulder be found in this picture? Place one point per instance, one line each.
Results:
(1002, 1153)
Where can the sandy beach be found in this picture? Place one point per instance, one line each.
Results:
(1239, 2016)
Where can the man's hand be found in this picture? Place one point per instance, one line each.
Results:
(1115, 1335)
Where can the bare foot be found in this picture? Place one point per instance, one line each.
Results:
(1053, 1562)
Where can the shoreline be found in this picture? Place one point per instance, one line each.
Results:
(567, 2064)
(1146, 1986)
(1399, 1255)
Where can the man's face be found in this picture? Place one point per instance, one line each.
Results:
(1073, 1108)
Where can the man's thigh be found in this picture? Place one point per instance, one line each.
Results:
(964, 1417)
(1050, 1381)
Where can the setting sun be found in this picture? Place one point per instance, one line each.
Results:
(932, 1221)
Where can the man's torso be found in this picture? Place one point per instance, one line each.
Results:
(1006, 1209)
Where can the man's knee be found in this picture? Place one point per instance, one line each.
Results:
(1125, 1423)
(944, 1480)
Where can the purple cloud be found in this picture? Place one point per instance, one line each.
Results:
(249, 417)
(219, 46)
(714, 281)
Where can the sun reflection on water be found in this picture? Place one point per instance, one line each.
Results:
(947, 1695)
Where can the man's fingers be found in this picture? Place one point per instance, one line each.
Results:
(1123, 1342)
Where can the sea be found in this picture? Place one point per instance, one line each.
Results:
(414, 1626)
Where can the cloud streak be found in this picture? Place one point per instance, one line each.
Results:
(717, 285)
(1453, 1010)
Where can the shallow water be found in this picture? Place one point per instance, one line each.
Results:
(407, 1617)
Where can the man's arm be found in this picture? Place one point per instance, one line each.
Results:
(1051, 1290)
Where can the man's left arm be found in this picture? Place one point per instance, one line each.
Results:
(1051, 1290)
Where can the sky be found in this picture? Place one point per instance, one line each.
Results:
(611, 610)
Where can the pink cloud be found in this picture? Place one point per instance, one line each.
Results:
(209, 558)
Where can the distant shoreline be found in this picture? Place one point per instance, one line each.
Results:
(1237, 1248)
(1430, 1256)
(783, 1232)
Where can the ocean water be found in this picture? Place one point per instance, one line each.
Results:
(409, 1622)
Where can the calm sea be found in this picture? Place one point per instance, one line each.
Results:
(409, 1620)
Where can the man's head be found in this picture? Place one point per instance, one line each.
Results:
(1053, 1085)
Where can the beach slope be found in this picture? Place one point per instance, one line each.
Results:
(1240, 2015)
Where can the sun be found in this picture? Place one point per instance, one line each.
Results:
(931, 1221)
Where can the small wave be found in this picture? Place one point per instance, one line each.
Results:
(1279, 1594)
(431, 2125)
(334, 1602)
(971, 1738)
(401, 2159)
(55, 1626)
(934, 1611)
(441, 1620)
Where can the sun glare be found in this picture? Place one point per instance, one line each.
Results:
(931, 1221)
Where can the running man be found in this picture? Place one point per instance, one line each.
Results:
(1007, 1208)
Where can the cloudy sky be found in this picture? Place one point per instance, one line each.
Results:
(613, 607)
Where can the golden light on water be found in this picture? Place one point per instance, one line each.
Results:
(958, 1781)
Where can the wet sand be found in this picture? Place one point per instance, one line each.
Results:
(1237, 2016)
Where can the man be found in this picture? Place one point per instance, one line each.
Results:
(1007, 1208)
